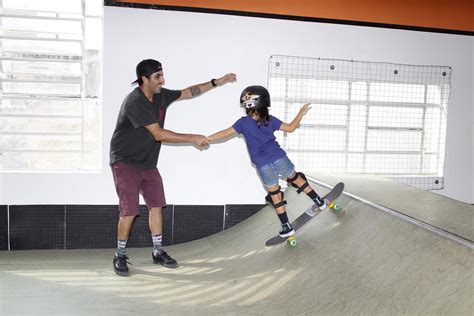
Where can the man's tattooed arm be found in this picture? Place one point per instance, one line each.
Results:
(195, 91)
(200, 89)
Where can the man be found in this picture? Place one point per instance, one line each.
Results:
(134, 151)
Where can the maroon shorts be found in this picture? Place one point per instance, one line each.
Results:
(131, 181)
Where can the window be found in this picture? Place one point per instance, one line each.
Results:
(379, 118)
(50, 112)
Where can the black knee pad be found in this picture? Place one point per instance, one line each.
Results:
(305, 184)
(268, 198)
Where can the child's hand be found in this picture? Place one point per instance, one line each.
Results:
(305, 108)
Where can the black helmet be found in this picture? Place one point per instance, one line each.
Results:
(254, 97)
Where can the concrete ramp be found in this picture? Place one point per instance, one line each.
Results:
(358, 261)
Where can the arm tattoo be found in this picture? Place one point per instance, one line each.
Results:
(195, 91)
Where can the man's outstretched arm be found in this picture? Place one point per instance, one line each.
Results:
(199, 89)
(164, 135)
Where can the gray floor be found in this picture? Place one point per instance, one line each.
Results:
(358, 261)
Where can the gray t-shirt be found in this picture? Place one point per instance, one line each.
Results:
(131, 142)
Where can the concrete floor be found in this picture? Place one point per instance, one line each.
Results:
(358, 261)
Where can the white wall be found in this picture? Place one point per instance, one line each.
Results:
(196, 47)
(459, 164)
(471, 105)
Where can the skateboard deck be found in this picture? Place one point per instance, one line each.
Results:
(308, 215)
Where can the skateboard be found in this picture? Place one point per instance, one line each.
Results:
(308, 215)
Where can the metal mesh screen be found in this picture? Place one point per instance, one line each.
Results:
(366, 117)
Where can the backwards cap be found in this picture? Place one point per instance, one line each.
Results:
(147, 67)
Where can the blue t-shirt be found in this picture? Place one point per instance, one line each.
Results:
(261, 143)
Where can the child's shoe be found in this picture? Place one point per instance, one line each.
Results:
(324, 205)
(286, 230)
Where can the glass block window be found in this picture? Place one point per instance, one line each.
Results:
(51, 90)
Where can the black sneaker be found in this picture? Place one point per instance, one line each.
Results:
(286, 230)
(120, 265)
(164, 259)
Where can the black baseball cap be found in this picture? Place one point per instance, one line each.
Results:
(147, 67)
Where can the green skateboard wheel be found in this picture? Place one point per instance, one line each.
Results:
(336, 207)
(292, 241)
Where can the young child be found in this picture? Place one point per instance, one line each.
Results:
(269, 158)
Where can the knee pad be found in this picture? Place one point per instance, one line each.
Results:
(301, 188)
(268, 198)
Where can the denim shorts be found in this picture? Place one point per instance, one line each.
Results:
(270, 173)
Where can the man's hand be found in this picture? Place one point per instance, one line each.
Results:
(200, 140)
(230, 77)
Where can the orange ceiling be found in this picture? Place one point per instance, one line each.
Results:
(435, 14)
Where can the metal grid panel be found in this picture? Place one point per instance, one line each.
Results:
(366, 117)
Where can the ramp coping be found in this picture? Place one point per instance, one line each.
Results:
(440, 232)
